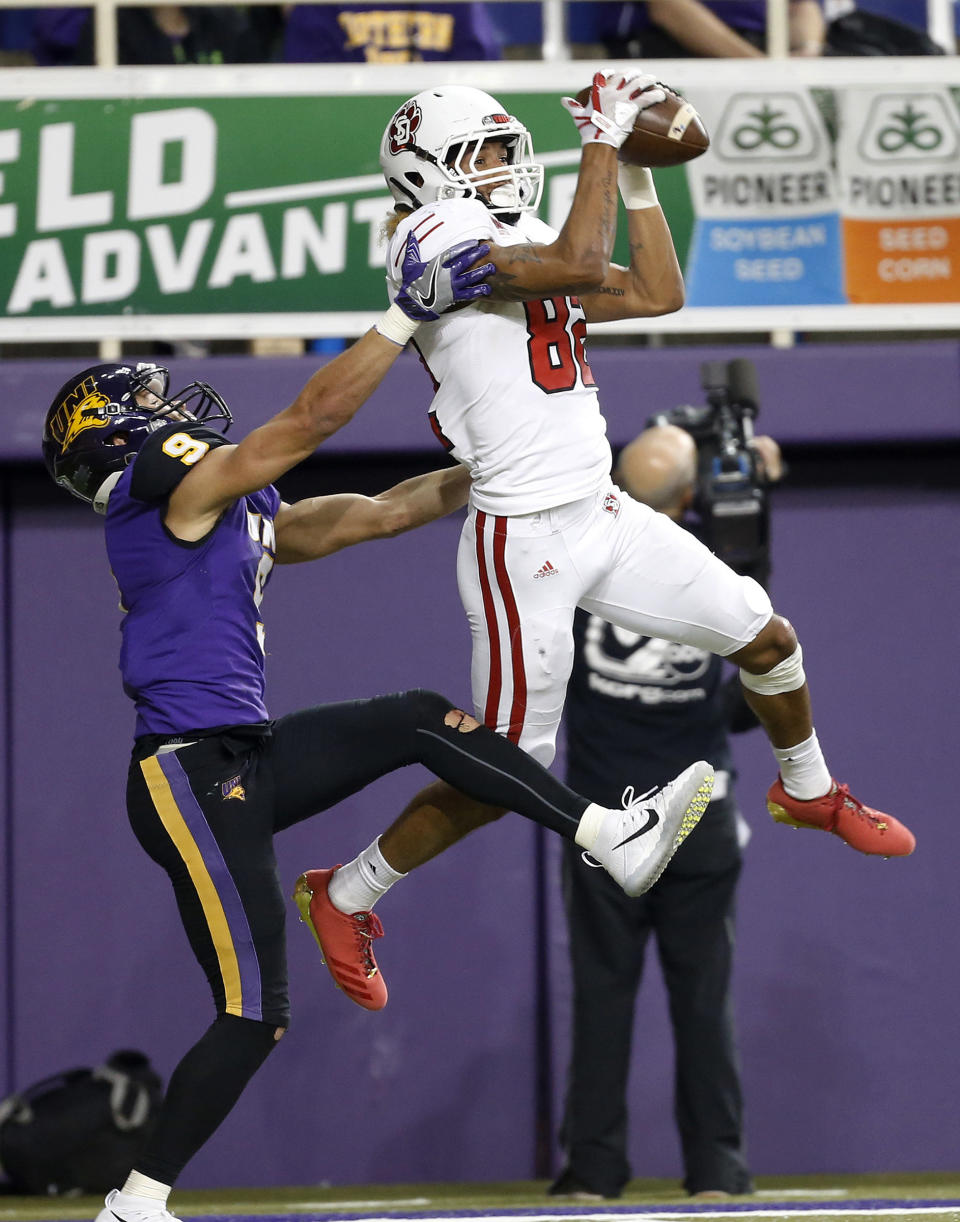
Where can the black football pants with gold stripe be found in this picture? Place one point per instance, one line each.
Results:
(207, 813)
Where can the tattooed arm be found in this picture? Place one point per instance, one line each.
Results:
(578, 261)
(652, 284)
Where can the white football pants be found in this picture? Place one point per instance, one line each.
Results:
(521, 579)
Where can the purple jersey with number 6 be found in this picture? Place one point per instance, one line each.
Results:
(193, 654)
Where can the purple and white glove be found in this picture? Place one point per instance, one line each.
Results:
(612, 108)
(444, 282)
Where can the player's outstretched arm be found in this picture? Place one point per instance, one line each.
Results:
(321, 525)
(578, 261)
(699, 30)
(653, 283)
(328, 401)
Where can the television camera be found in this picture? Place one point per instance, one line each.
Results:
(731, 502)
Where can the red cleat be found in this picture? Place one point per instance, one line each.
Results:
(864, 829)
(345, 940)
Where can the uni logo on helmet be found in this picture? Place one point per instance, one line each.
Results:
(82, 409)
(495, 119)
(404, 125)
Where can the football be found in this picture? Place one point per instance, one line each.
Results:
(667, 133)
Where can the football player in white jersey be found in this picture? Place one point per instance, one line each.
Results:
(516, 403)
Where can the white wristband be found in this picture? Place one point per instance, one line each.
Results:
(396, 326)
(637, 188)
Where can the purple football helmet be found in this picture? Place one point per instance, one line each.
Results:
(101, 417)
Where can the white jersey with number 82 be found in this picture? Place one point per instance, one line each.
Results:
(515, 399)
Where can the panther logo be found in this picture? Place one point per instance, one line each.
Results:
(83, 408)
(233, 789)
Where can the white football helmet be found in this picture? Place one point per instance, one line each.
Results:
(428, 135)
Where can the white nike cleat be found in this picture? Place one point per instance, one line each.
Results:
(635, 845)
(121, 1207)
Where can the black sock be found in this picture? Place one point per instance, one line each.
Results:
(203, 1089)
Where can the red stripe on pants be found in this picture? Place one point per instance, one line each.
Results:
(519, 707)
(495, 680)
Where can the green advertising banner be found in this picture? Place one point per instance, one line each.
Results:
(227, 205)
(250, 201)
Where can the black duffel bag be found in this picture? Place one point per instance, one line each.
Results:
(79, 1131)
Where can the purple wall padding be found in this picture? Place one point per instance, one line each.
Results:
(816, 393)
(847, 981)
(7, 889)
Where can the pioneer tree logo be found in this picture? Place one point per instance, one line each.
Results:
(759, 126)
(910, 127)
(766, 126)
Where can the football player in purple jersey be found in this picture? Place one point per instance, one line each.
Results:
(194, 527)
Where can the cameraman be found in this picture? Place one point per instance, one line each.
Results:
(644, 708)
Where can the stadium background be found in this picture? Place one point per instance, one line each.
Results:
(847, 980)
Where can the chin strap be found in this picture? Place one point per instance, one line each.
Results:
(102, 495)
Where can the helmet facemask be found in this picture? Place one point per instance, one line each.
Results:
(519, 183)
(197, 402)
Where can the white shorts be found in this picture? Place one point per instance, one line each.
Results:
(522, 578)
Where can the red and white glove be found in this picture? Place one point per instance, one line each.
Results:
(612, 108)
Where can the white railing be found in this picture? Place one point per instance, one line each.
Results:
(941, 24)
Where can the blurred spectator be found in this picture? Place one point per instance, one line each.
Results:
(389, 33)
(879, 27)
(56, 33)
(519, 25)
(734, 29)
(162, 34)
(16, 25)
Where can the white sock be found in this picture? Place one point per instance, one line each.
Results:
(138, 1185)
(589, 825)
(803, 769)
(357, 886)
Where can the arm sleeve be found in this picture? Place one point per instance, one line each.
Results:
(166, 457)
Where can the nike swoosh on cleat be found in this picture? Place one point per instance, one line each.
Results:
(652, 820)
